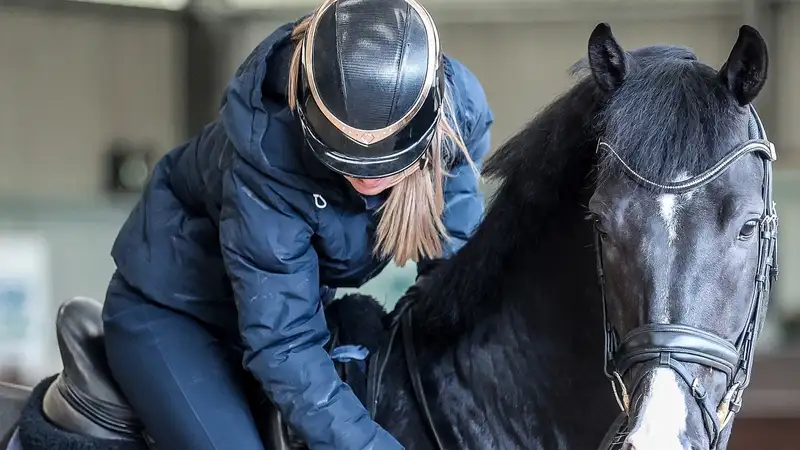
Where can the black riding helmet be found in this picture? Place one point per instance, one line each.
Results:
(371, 85)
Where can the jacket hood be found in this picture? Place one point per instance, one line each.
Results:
(255, 102)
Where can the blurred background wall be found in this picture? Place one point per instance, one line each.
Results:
(80, 80)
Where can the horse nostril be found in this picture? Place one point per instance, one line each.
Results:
(628, 446)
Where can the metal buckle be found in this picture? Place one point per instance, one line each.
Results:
(724, 411)
(621, 394)
(698, 391)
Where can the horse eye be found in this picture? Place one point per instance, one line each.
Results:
(748, 229)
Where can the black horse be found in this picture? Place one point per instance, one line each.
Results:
(631, 240)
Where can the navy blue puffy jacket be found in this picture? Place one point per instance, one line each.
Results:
(243, 229)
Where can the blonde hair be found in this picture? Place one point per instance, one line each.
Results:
(410, 227)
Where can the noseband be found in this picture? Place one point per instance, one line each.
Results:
(674, 345)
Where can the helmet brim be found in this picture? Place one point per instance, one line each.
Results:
(384, 158)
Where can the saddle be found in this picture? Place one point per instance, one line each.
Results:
(84, 398)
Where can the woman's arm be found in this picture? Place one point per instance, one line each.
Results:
(274, 270)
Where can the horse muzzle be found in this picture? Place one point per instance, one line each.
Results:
(671, 347)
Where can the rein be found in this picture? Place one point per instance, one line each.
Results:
(401, 323)
(674, 345)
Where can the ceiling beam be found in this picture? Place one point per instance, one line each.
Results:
(516, 11)
(169, 5)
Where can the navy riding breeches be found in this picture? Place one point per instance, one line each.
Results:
(187, 386)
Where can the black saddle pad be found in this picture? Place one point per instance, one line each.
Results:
(12, 402)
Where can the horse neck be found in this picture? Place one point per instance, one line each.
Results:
(532, 372)
(552, 312)
(552, 284)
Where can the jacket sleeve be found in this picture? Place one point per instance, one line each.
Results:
(274, 271)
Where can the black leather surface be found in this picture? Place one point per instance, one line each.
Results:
(683, 342)
(85, 388)
(371, 63)
(79, 330)
(617, 432)
(376, 69)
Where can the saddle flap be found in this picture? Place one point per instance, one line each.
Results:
(86, 384)
(79, 330)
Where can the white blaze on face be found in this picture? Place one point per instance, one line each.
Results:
(669, 206)
(663, 415)
(669, 210)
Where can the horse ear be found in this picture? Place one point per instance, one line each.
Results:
(607, 60)
(745, 71)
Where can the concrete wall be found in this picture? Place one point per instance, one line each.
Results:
(786, 58)
(523, 68)
(73, 82)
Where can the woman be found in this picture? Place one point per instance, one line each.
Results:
(245, 231)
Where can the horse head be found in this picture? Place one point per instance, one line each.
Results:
(685, 234)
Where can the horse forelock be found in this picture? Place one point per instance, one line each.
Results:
(672, 117)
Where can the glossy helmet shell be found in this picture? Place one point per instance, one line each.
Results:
(371, 85)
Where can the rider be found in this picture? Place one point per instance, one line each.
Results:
(345, 140)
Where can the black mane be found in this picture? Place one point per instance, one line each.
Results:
(541, 169)
(671, 116)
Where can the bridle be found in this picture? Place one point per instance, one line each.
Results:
(674, 345)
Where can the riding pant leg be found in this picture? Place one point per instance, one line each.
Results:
(188, 387)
